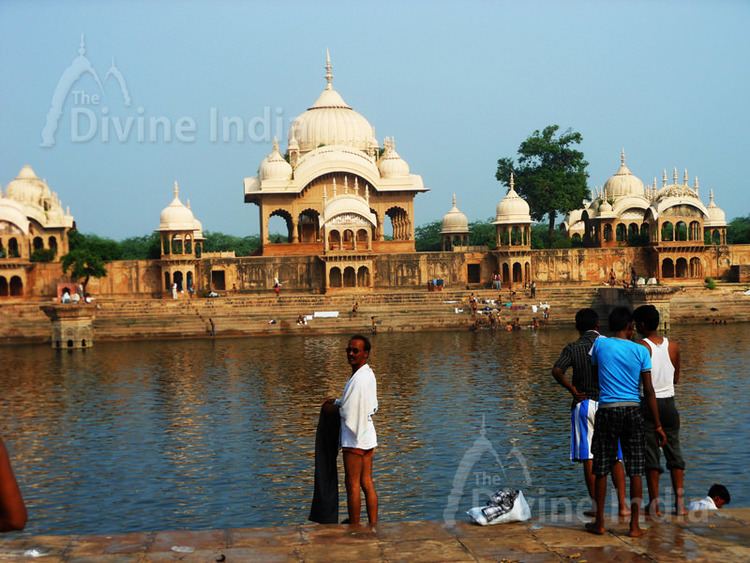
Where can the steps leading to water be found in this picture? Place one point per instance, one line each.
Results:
(397, 310)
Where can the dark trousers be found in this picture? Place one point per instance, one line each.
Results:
(325, 502)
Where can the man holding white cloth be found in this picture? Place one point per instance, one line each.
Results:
(357, 404)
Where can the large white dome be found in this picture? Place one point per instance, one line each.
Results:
(27, 187)
(716, 215)
(331, 121)
(455, 221)
(623, 182)
(513, 209)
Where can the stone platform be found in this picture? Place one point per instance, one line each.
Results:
(720, 536)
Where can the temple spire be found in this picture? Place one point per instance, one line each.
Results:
(686, 178)
(329, 71)
(454, 200)
(176, 190)
(622, 156)
(275, 144)
(675, 176)
(512, 182)
(664, 178)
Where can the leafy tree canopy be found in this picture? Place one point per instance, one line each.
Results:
(427, 236)
(220, 242)
(84, 263)
(738, 230)
(550, 173)
(146, 247)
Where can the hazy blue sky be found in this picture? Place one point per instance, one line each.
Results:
(458, 84)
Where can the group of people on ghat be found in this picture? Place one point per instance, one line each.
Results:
(623, 413)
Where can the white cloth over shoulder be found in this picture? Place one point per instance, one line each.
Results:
(703, 504)
(357, 405)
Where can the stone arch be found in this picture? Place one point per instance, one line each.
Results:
(527, 271)
(695, 230)
(400, 224)
(348, 239)
(38, 243)
(363, 276)
(363, 239)
(645, 234)
(632, 231)
(308, 226)
(681, 268)
(517, 273)
(667, 268)
(3, 287)
(506, 274)
(167, 281)
(620, 232)
(667, 231)
(681, 231)
(607, 232)
(176, 244)
(177, 278)
(696, 268)
(286, 217)
(53, 245)
(16, 286)
(188, 244)
(334, 240)
(334, 277)
(350, 277)
(516, 236)
(13, 248)
(715, 237)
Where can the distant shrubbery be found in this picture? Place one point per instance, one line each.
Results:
(710, 283)
(738, 230)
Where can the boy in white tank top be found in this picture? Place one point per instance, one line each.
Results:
(665, 373)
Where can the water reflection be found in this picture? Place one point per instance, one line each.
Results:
(205, 434)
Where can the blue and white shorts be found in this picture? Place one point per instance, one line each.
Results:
(582, 431)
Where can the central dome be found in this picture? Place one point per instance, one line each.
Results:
(331, 121)
(623, 182)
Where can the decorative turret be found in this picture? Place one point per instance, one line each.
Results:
(455, 228)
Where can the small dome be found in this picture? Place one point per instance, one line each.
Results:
(605, 207)
(716, 215)
(274, 167)
(27, 187)
(391, 165)
(623, 182)
(455, 222)
(513, 208)
(176, 217)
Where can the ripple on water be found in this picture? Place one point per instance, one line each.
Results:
(206, 434)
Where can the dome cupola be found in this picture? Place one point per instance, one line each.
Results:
(274, 167)
(455, 222)
(716, 215)
(391, 165)
(27, 187)
(623, 182)
(176, 216)
(513, 209)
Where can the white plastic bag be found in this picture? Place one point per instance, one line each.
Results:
(497, 513)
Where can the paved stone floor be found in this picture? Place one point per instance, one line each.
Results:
(721, 536)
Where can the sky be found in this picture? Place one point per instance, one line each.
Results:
(457, 84)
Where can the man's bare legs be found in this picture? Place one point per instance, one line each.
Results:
(600, 495)
(678, 486)
(618, 480)
(652, 483)
(636, 494)
(600, 492)
(358, 471)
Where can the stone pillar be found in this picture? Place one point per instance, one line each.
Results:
(72, 325)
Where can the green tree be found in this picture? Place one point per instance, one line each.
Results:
(483, 233)
(220, 242)
(427, 237)
(541, 239)
(146, 247)
(550, 174)
(43, 255)
(738, 230)
(84, 263)
(105, 248)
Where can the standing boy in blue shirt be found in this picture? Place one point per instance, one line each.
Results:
(623, 367)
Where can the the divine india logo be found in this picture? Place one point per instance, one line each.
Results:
(91, 118)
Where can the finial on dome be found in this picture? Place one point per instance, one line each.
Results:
(686, 178)
(176, 189)
(622, 156)
(711, 198)
(664, 178)
(275, 144)
(512, 182)
(329, 71)
(696, 184)
(454, 200)
(82, 46)
(675, 176)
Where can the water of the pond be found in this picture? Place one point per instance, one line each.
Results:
(207, 434)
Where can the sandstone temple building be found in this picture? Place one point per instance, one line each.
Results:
(347, 202)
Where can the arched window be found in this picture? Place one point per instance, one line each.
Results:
(3, 287)
(506, 274)
(176, 244)
(400, 228)
(667, 268)
(645, 233)
(527, 272)
(13, 248)
(280, 226)
(620, 232)
(362, 239)
(632, 231)
(350, 277)
(167, 281)
(576, 239)
(334, 241)
(177, 278)
(53, 245)
(308, 225)
(517, 273)
(696, 268)
(681, 231)
(188, 245)
(363, 276)
(348, 239)
(607, 232)
(189, 282)
(16, 286)
(667, 232)
(515, 237)
(334, 277)
(716, 237)
(38, 243)
(681, 268)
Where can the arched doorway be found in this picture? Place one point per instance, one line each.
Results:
(667, 268)
(334, 277)
(696, 268)
(309, 226)
(681, 231)
(667, 232)
(53, 245)
(177, 278)
(506, 274)
(16, 286)
(607, 232)
(167, 281)
(334, 240)
(681, 268)
(3, 287)
(280, 226)
(38, 243)
(517, 273)
(400, 228)
(350, 277)
(348, 239)
(363, 276)
(620, 232)
(13, 248)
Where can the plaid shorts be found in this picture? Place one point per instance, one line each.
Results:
(626, 425)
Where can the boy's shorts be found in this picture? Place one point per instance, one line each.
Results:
(670, 422)
(582, 418)
(626, 425)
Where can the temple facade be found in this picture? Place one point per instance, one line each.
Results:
(337, 192)
(33, 228)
